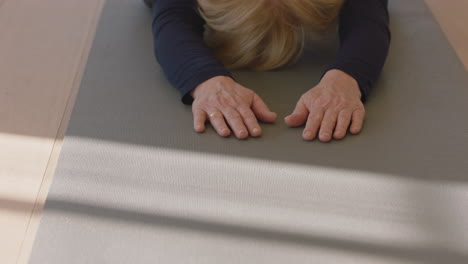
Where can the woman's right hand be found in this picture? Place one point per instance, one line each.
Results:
(224, 102)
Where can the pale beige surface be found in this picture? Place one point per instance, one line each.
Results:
(43, 45)
(453, 18)
(43, 49)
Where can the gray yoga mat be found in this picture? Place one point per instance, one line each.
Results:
(135, 184)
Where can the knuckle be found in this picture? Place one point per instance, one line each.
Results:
(321, 101)
(232, 115)
(218, 100)
(196, 108)
(346, 112)
(338, 101)
(360, 112)
(314, 116)
(200, 107)
(212, 101)
(343, 106)
(251, 122)
(306, 99)
(342, 127)
(244, 111)
(333, 120)
(247, 93)
(327, 126)
(341, 102)
(333, 112)
(235, 103)
(359, 106)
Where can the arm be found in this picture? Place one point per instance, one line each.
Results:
(336, 103)
(189, 65)
(364, 41)
(179, 47)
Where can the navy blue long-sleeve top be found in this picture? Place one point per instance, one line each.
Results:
(187, 61)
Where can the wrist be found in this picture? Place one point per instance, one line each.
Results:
(337, 77)
(217, 81)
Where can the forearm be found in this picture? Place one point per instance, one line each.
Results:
(364, 41)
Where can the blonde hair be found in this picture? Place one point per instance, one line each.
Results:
(263, 34)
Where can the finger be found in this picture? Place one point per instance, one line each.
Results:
(298, 116)
(262, 111)
(344, 119)
(328, 125)
(236, 123)
(250, 121)
(357, 121)
(199, 119)
(217, 121)
(313, 123)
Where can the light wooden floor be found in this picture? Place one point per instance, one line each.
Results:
(43, 50)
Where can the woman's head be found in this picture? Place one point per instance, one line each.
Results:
(263, 34)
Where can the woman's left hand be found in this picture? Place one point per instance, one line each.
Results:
(330, 108)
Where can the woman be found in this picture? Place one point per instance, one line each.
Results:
(196, 41)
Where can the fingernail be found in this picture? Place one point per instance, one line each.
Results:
(255, 130)
(308, 134)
